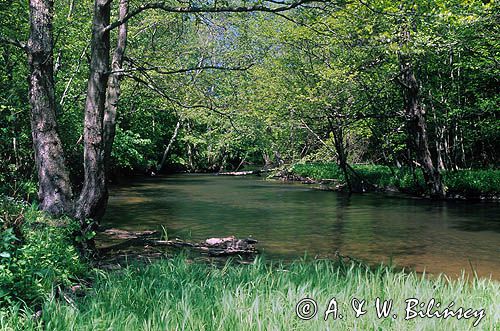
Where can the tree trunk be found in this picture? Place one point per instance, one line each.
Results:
(415, 119)
(94, 194)
(170, 143)
(338, 139)
(417, 130)
(438, 129)
(267, 161)
(54, 191)
(113, 91)
(190, 150)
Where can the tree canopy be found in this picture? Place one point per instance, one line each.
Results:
(206, 86)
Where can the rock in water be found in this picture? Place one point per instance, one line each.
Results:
(219, 241)
(229, 246)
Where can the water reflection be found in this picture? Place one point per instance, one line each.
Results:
(292, 219)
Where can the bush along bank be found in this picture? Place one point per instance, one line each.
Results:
(38, 255)
(460, 184)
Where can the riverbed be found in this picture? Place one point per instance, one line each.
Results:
(293, 220)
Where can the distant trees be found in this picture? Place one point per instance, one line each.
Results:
(366, 76)
(102, 97)
(411, 84)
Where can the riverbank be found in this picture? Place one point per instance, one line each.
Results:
(178, 294)
(46, 285)
(460, 184)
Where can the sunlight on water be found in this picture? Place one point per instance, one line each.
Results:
(290, 220)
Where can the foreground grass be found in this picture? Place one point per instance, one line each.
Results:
(466, 183)
(178, 295)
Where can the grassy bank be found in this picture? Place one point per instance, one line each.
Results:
(465, 183)
(177, 295)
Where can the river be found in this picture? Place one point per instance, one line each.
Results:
(291, 220)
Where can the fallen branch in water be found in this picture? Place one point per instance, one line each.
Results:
(124, 234)
(213, 246)
(244, 173)
(239, 173)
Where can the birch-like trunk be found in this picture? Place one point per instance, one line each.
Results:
(169, 146)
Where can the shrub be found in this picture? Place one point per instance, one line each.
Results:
(36, 253)
(319, 171)
(129, 150)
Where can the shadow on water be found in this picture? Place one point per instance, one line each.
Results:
(292, 219)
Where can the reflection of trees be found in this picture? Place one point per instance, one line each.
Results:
(338, 226)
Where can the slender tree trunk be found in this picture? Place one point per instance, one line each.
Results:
(71, 8)
(267, 161)
(170, 143)
(417, 130)
(223, 160)
(439, 148)
(438, 129)
(338, 139)
(113, 90)
(190, 157)
(94, 194)
(54, 191)
(190, 150)
(415, 120)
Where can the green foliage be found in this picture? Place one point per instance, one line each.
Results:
(473, 182)
(180, 294)
(468, 183)
(319, 171)
(381, 176)
(16, 165)
(129, 150)
(336, 68)
(36, 254)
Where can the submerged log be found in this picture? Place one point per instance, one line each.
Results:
(240, 173)
(217, 246)
(224, 246)
(244, 173)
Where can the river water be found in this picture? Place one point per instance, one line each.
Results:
(291, 220)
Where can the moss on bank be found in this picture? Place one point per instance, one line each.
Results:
(464, 183)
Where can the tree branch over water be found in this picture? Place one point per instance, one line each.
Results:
(159, 69)
(152, 86)
(282, 6)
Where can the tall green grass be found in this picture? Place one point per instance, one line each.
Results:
(468, 183)
(178, 295)
(473, 182)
